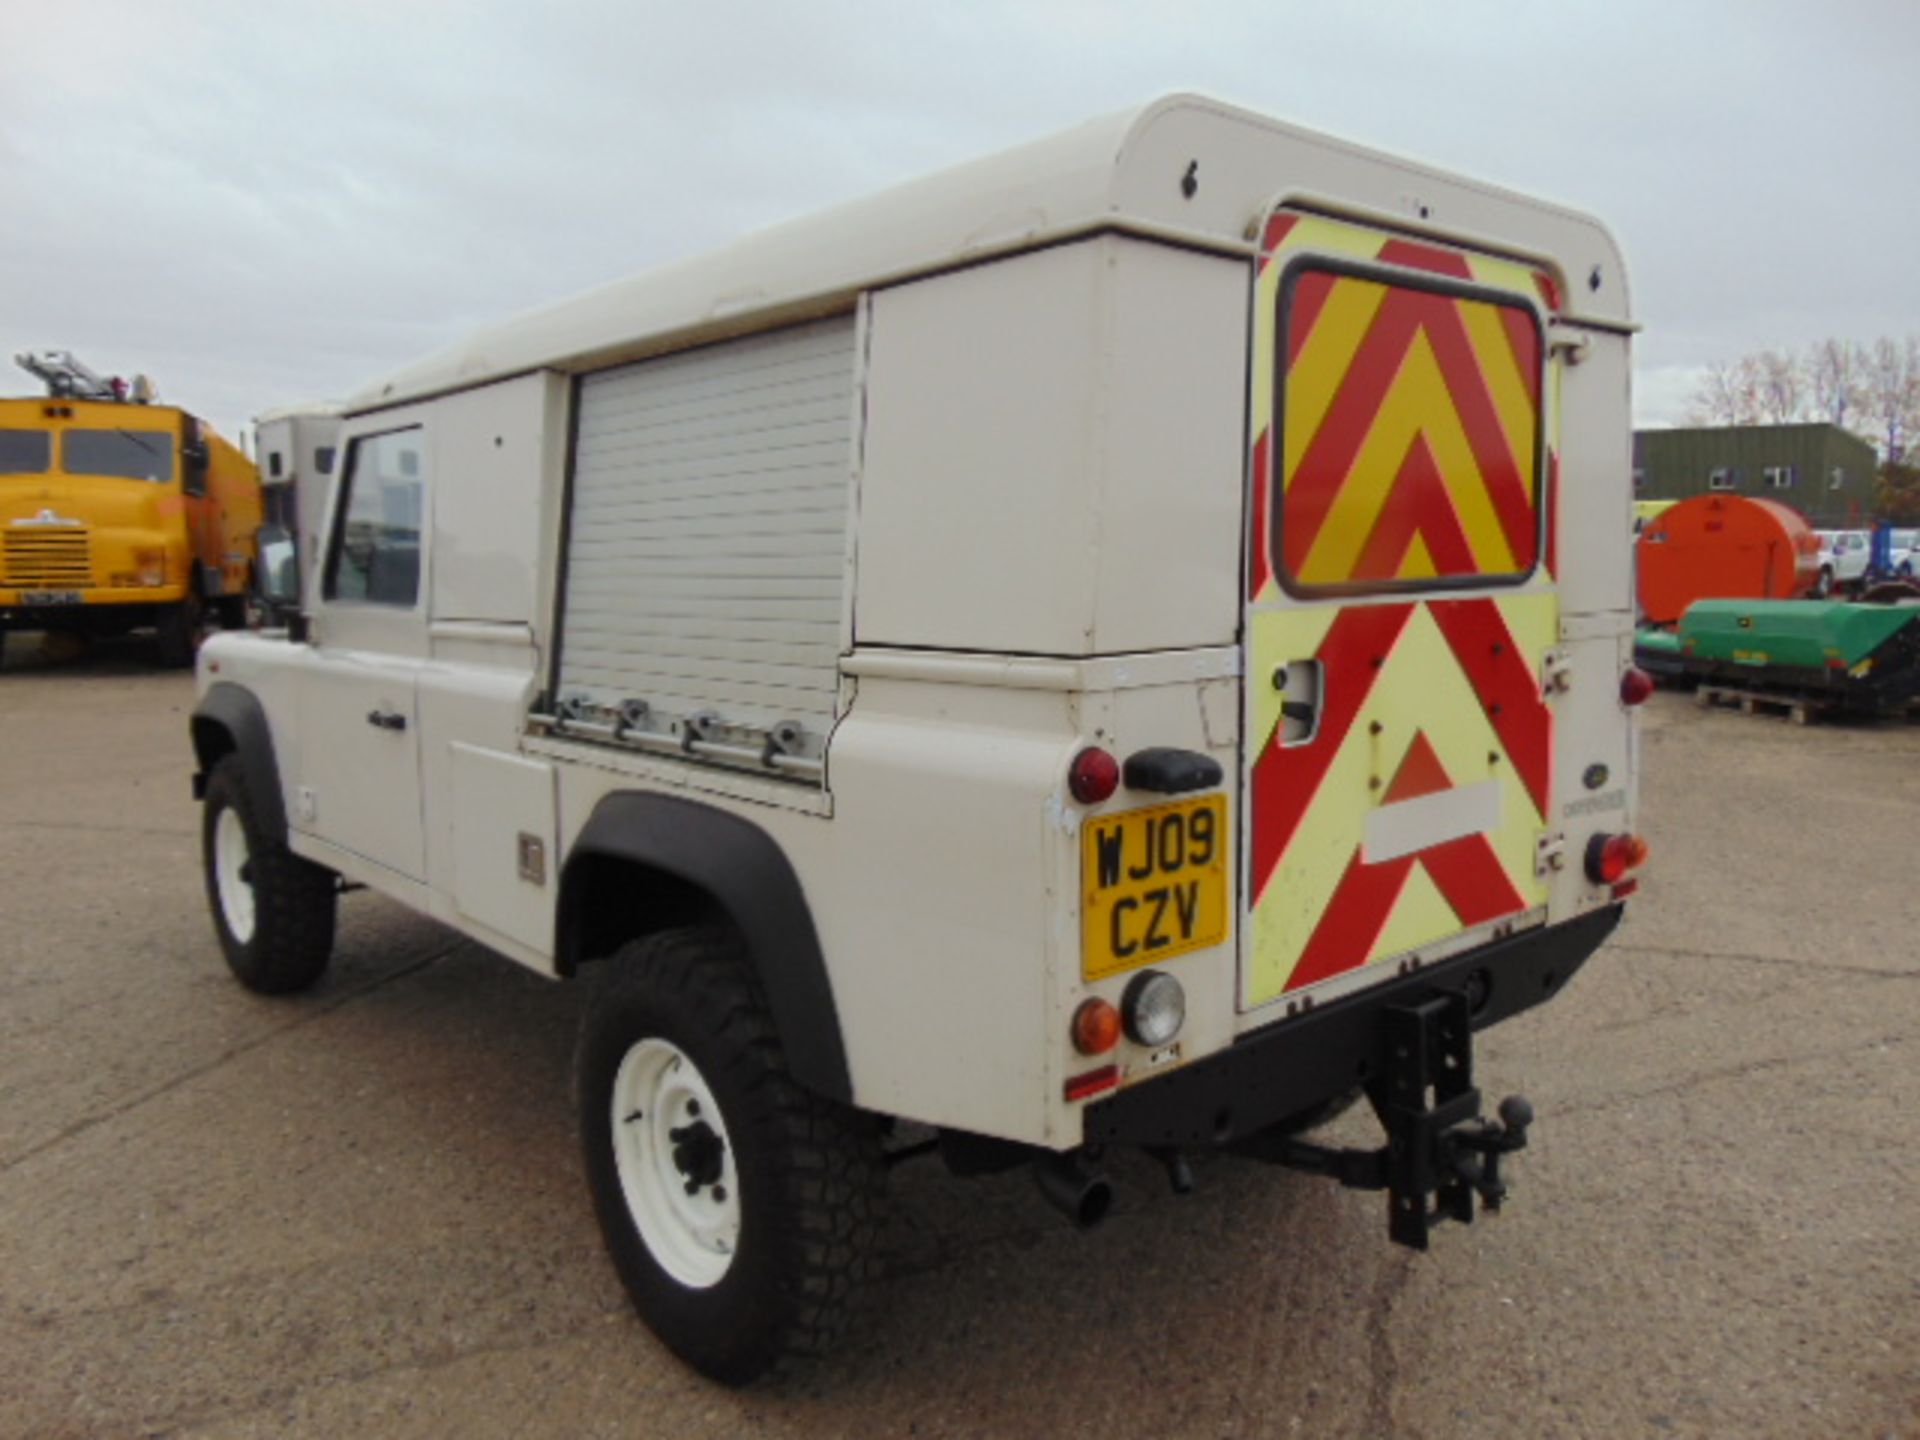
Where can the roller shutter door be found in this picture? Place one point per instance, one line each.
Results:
(706, 554)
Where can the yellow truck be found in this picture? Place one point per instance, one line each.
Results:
(119, 514)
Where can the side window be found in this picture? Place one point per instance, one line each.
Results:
(375, 552)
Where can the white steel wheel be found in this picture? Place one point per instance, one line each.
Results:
(272, 910)
(676, 1163)
(739, 1209)
(232, 877)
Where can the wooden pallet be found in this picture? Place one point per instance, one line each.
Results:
(1800, 709)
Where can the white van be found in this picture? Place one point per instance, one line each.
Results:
(1126, 642)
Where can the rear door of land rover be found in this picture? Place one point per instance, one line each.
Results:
(1402, 612)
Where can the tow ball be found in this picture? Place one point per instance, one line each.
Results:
(1440, 1150)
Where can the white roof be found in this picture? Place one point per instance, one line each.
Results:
(315, 409)
(1123, 171)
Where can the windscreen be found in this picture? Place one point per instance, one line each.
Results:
(129, 454)
(25, 452)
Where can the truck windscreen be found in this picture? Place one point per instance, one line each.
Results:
(132, 454)
(25, 452)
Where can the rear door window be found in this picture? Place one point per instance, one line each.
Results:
(1409, 445)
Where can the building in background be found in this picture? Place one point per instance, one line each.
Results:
(1826, 473)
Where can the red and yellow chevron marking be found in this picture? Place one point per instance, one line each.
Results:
(1412, 418)
(1418, 700)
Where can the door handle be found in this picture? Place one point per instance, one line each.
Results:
(386, 720)
(1302, 685)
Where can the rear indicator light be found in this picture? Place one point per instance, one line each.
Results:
(1093, 776)
(1096, 1027)
(1625, 888)
(1093, 1082)
(1636, 686)
(1610, 857)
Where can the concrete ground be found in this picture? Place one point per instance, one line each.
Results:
(360, 1212)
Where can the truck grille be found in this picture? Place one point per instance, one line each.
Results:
(46, 557)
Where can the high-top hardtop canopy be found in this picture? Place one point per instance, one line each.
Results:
(1184, 168)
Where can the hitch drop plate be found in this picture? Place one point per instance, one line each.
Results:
(1439, 1147)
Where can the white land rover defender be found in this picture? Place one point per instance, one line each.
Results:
(1126, 642)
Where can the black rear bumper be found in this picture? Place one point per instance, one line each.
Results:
(1293, 1066)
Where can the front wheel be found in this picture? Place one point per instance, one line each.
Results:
(272, 911)
(1823, 584)
(176, 639)
(739, 1210)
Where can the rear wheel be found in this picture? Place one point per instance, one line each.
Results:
(1823, 583)
(272, 911)
(739, 1210)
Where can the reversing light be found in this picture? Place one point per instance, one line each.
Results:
(1096, 1027)
(1636, 686)
(1093, 776)
(1154, 1008)
(1610, 857)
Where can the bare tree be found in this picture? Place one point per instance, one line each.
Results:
(1890, 393)
(1728, 394)
(1833, 375)
(1776, 386)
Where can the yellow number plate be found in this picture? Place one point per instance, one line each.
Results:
(1153, 883)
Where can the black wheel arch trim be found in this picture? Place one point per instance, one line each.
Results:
(748, 876)
(234, 712)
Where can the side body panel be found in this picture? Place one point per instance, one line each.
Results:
(1052, 454)
(1595, 739)
(498, 456)
(225, 522)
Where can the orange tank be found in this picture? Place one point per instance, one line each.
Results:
(1724, 547)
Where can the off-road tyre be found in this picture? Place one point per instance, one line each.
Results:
(284, 942)
(807, 1172)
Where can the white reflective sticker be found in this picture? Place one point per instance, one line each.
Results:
(1409, 826)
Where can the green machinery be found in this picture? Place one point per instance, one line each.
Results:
(1865, 658)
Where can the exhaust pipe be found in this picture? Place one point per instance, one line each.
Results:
(1073, 1190)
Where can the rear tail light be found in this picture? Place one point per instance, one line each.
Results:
(1096, 1027)
(1636, 685)
(1093, 776)
(1610, 857)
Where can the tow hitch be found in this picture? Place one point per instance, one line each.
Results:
(1438, 1155)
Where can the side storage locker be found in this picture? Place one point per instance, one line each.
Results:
(706, 552)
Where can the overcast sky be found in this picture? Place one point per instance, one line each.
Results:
(261, 204)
